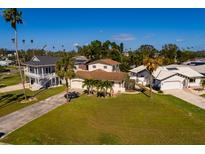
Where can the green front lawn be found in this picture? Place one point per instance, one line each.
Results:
(10, 79)
(9, 102)
(126, 119)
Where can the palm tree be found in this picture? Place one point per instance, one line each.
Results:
(151, 65)
(32, 41)
(65, 70)
(23, 41)
(97, 84)
(62, 46)
(33, 49)
(15, 17)
(108, 85)
(88, 84)
(13, 40)
(203, 83)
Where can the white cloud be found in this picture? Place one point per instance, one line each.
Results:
(148, 36)
(76, 44)
(123, 37)
(179, 40)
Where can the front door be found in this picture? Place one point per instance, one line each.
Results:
(32, 81)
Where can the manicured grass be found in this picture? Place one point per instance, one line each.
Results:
(9, 102)
(10, 79)
(126, 119)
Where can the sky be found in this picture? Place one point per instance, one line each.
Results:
(133, 27)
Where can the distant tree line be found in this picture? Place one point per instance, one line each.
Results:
(170, 53)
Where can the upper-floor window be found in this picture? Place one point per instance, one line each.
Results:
(105, 67)
(94, 66)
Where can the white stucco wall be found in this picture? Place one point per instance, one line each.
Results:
(100, 66)
(197, 83)
(174, 82)
(77, 84)
(118, 87)
(141, 77)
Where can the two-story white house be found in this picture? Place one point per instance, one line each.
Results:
(40, 71)
(103, 69)
(107, 65)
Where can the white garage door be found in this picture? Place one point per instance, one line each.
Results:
(171, 85)
(76, 83)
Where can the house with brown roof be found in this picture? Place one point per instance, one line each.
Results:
(103, 69)
(107, 65)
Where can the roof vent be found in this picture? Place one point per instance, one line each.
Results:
(172, 69)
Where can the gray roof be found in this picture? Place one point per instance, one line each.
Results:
(198, 68)
(42, 60)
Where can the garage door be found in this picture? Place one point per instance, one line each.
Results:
(76, 83)
(171, 85)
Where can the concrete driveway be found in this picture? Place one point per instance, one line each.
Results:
(187, 96)
(23, 116)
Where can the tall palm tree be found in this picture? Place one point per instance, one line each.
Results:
(33, 49)
(65, 70)
(13, 40)
(151, 65)
(23, 41)
(14, 17)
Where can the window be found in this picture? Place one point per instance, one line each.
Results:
(94, 66)
(105, 67)
(192, 80)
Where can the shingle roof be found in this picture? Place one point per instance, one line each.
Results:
(105, 61)
(166, 71)
(42, 60)
(199, 68)
(138, 69)
(102, 75)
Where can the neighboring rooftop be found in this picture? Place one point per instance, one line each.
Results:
(186, 71)
(138, 69)
(105, 61)
(102, 75)
(42, 60)
(198, 68)
(163, 72)
(80, 60)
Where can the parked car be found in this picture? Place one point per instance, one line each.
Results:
(71, 95)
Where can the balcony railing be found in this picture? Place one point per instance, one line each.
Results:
(40, 76)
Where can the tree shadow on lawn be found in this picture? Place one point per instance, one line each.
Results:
(10, 99)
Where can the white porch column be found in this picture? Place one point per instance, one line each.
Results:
(42, 71)
(37, 70)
